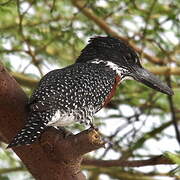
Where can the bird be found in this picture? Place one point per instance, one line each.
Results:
(75, 93)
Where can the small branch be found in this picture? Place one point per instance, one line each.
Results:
(30, 52)
(5, 3)
(173, 112)
(139, 142)
(147, 19)
(9, 170)
(53, 6)
(24, 80)
(164, 70)
(157, 160)
(119, 173)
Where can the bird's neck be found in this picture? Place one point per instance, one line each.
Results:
(120, 71)
(109, 64)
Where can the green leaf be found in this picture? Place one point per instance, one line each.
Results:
(174, 157)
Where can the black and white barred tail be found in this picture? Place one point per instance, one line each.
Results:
(29, 134)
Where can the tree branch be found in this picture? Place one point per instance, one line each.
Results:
(164, 70)
(118, 173)
(173, 112)
(9, 170)
(157, 160)
(139, 142)
(53, 157)
(76, 145)
(24, 80)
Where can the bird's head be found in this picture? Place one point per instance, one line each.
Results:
(110, 49)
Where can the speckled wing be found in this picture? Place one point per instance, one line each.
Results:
(76, 87)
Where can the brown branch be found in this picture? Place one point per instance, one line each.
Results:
(103, 25)
(30, 52)
(24, 80)
(157, 160)
(173, 112)
(76, 145)
(53, 157)
(9, 170)
(164, 70)
(119, 173)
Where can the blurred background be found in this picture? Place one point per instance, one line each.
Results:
(139, 123)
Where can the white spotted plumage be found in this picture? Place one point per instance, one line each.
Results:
(65, 96)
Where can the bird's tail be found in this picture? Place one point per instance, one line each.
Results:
(29, 134)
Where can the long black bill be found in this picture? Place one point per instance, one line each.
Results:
(142, 75)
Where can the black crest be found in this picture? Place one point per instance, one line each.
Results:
(108, 48)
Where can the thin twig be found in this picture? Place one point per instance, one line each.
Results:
(173, 113)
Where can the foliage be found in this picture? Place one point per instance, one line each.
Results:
(37, 36)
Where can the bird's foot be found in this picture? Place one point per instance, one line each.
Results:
(96, 136)
(93, 127)
(65, 132)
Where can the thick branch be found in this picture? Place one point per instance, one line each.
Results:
(157, 160)
(76, 145)
(53, 157)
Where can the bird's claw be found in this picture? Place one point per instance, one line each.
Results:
(93, 127)
(65, 132)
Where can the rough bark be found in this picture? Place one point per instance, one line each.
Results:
(52, 157)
